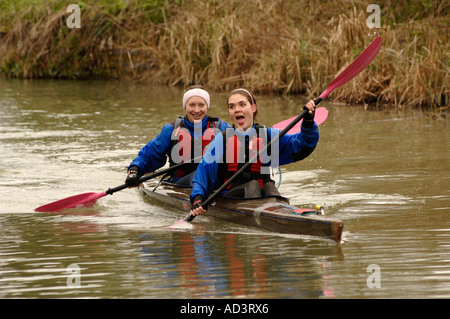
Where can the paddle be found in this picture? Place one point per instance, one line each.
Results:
(320, 116)
(361, 62)
(89, 199)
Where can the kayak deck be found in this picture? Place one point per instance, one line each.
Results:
(270, 213)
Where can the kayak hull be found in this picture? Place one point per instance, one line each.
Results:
(273, 213)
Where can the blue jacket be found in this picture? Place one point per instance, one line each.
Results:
(154, 155)
(289, 149)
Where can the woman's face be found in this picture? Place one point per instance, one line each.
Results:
(196, 109)
(241, 111)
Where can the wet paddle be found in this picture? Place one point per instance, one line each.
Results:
(361, 62)
(320, 116)
(89, 199)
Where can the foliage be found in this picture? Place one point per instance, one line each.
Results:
(288, 47)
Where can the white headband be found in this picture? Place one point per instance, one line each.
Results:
(249, 94)
(196, 92)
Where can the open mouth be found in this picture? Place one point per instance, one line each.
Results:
(240, 119)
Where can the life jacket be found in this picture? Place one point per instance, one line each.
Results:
(182, 145)
(233, 160)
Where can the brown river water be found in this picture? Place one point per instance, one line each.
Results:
(386, 174)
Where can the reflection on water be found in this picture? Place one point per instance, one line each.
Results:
(207, 265)
(385, 174)
(157, 264)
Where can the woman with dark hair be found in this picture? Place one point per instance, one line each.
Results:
(235, 146)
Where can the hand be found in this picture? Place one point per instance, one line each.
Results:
(132, 179)
(312, 108)
(308, 119)
(197, 208)
(198, 211)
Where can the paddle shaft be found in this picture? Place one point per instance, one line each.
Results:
(253, 159)
(145, 178)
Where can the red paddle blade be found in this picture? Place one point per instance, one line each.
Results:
(77, 201)
(361, 62)
(181, 224)
(320, 116)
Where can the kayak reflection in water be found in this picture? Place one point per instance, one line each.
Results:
(182, 141)
(232, 148)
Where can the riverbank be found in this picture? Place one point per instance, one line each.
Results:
(284, 47)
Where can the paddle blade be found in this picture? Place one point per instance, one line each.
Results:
(320, 116)
(77, 201)
(181, 224)
(361, 62)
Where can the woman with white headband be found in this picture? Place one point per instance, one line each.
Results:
(183, 140)
(231, 149)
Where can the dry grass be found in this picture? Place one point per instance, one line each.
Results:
(287, 47)
(412, 68)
